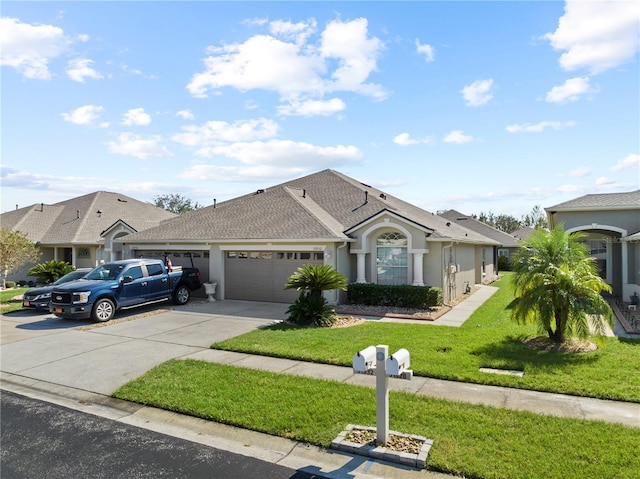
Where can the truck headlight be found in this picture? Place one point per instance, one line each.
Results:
(81, 297)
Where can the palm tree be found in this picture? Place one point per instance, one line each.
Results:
(557, 286)
(311, 307)
(315, 279)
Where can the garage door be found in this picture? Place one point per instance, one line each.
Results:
(261, 275)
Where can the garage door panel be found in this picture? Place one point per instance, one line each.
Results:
(261, 278)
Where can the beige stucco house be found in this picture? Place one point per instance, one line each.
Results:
(82, 230)
(612, 224)
(250, 245)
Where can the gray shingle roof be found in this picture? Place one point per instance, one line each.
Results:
(630, 199)
(319, 206)
(504, 239)
(77, 221)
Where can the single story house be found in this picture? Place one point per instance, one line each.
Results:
(508, 243)
(612, 224)
(253, 243)
(82, 230)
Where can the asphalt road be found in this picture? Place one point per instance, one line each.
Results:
(41, 439)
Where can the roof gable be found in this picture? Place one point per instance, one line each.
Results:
(630, 199)
(323, 205)
(81, 220)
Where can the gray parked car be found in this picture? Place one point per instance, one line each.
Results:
(39, 298)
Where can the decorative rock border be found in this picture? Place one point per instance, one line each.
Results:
(381, 452)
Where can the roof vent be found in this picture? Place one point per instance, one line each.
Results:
(260, 191)
(383, 196)
(121, 200)
(448, 223)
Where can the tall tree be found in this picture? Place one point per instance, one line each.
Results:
(557, 286)
(175, 203)
(537, 218)
(16, 250)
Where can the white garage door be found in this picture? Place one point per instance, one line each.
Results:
(261, 275)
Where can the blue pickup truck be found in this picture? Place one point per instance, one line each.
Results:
(119, 284)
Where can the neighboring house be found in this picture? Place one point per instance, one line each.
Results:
(507, 243)
(255, 242)
(523, 233)
(612, 224)
(81, 231)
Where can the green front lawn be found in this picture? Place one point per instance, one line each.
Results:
(488, 339)
(6, 299)
(469, 440)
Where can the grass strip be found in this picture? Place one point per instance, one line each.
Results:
(488, 339)
(7, 303)
(469, 440)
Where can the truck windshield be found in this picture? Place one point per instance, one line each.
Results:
(105, 272)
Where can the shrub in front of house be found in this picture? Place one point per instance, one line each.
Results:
(9, 284)
(504, 264)
(400, 295)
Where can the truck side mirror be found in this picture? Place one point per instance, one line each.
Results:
(127, 279)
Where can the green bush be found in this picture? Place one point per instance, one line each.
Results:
(504, 264)
(400, 295)
(22, 283)
(50, 271)
(310, 309)
(10, 284)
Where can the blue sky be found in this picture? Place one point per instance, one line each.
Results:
(476, 106)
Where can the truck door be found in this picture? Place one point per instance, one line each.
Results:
(134, 291)
(158, 282)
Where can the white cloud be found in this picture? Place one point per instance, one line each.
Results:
(84, 115)
(134, 145)
(29, 47)
(80, 69)
(603, 180)
(478, 93)
(312, 107)
(632, 160)
(539, 127)
(218, 132)
(570, 90)
(596, 35)
(426, 50)
(185, 114)
(457, 136)
(404, 139)
(137, 117)
(240, 173)
(295, 67)
(298, 32)
(581, 172)
(286, 153)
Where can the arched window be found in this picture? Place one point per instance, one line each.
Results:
(391, 258)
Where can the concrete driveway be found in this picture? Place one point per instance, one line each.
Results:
(102, 357)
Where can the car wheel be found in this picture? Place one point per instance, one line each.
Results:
(181, 295)
(103, 310)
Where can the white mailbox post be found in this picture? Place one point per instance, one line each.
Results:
(396, 366)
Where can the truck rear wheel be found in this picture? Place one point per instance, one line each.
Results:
(103, 310)
(181, 295)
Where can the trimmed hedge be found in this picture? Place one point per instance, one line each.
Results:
(400, 295)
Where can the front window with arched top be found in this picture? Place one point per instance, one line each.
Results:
(391, 258)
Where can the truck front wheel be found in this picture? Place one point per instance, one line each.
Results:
(103, 310)
(181, 295)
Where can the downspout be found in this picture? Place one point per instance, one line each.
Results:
(344, 243)
(445, 282)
